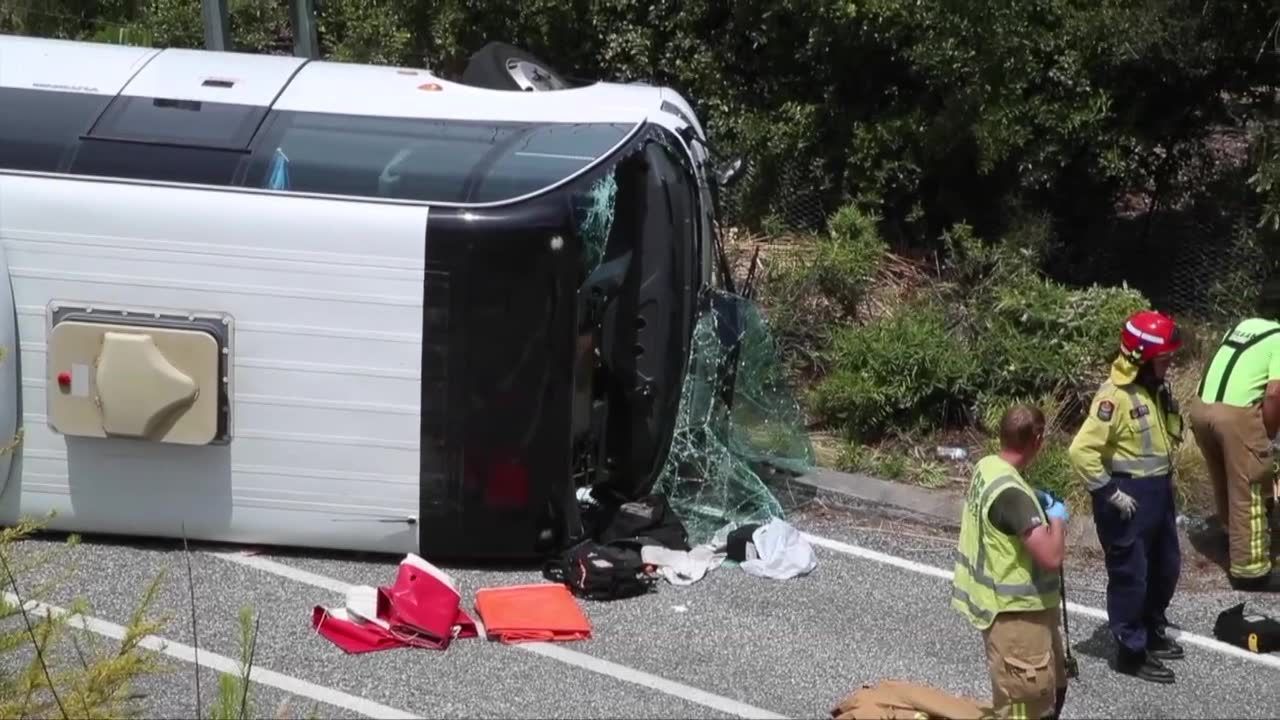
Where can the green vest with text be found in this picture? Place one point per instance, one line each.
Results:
(1247, 359)
(994, 572)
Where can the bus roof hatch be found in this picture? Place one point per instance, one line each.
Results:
(220, 77)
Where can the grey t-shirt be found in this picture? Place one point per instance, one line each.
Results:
(1013, 512)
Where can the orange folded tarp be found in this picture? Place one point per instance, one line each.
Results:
(531, 613)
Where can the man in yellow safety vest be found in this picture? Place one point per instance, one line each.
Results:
(1124, 454)
(1007, 581)
(1235, 420)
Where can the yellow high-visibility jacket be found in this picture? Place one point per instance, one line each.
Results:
(1128, 432)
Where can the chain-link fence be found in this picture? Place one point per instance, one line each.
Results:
(778, 198)
(1195, 249)
(1217, 267)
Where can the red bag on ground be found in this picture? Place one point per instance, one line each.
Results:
(422, 609)
(352, 635)
(545, 612)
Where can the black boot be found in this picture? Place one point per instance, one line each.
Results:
(1264, 583)
(1163, 647)
(1143, 666)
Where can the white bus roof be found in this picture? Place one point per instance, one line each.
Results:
(204, 76)
(91, 68)
(403, 92)
(289, 83)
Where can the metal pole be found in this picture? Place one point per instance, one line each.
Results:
(217, 24)
(305, 42)
(1073, 668)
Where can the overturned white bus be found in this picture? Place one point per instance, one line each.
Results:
(260, 299)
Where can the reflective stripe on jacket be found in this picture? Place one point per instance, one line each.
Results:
(1127, 432)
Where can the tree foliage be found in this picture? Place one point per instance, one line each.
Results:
(1266, 180)
(990, 328)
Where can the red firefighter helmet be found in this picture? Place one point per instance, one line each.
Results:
(1147, 335)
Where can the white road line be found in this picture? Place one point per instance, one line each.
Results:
(222, 663)
(548, 650)
(1188, 637)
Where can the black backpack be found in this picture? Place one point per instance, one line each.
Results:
(599, 572)
(646, 521)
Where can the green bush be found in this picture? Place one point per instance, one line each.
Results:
(902, 372)
(1034, 335)
(1051, 471)
(990, 409)
(820, 283)
(1001, 333)
(799, 317)
(849, 257)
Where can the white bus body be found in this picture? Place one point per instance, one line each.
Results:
(320, 295)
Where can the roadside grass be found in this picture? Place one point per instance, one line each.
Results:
(59, 669)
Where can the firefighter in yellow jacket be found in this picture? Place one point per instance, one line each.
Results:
(1007, 581)
(1124, 455)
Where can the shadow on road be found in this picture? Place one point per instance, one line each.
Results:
(1100, 645)
(1211, 544)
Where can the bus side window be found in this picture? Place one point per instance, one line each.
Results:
(39, 127)
(307, 155)
(427, 160)
(166, 163)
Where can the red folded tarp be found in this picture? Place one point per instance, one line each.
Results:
(544, 612)
(422, 609)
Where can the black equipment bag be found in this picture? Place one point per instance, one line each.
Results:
(599, 572)
(646, 521)
(1254, 632)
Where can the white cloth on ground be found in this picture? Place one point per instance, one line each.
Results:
(362, 605)
(682, 567)
(783, 552)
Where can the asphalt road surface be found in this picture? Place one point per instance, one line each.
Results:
(731, 645)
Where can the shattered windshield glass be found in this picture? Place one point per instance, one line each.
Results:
(735, 442)
(594, 210)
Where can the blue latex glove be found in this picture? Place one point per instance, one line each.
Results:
(1046, 500)
(1058, 510)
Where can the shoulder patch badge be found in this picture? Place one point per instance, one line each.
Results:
(1106, 409)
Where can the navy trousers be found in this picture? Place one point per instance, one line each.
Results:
(1142, 556)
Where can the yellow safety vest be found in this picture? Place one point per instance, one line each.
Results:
(994, 572)
(1126, 432)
